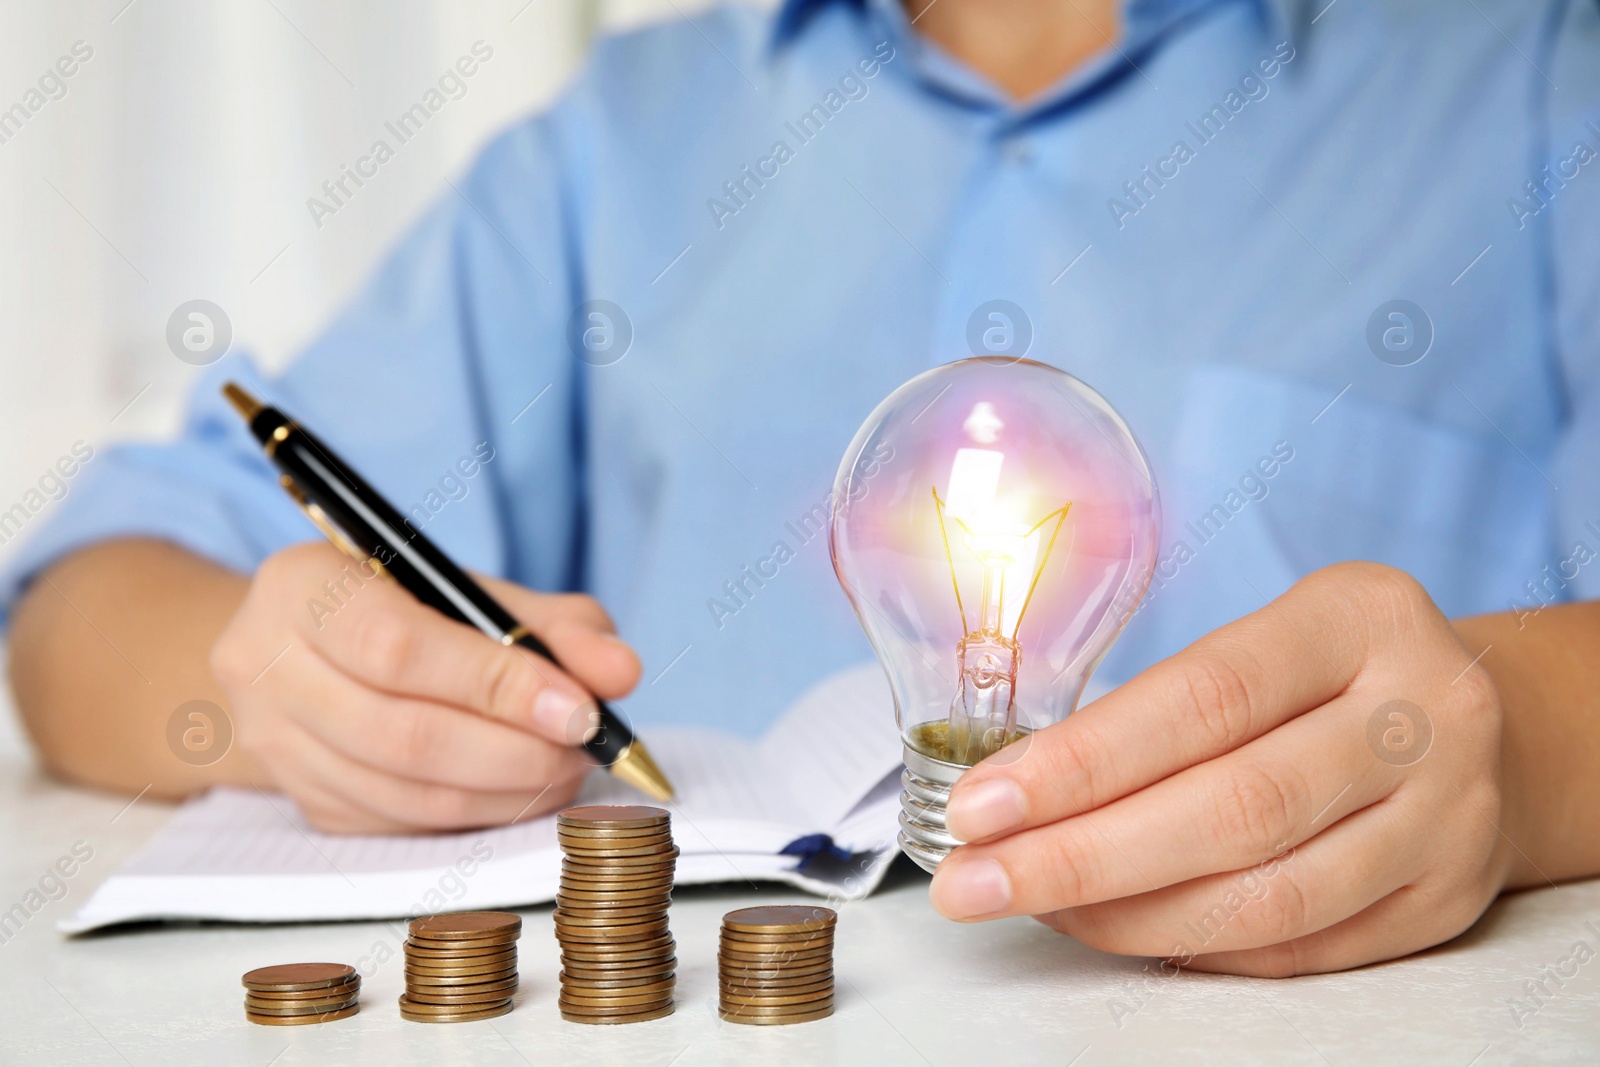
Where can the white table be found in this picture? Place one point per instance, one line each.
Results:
(912, 988)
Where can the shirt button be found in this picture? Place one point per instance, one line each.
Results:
(1017, 151)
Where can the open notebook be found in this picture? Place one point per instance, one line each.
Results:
(814, 803)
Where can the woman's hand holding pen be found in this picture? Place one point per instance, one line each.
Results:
(377, 714)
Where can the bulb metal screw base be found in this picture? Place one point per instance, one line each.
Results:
(926, 786)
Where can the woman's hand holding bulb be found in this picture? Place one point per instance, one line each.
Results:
(1244, 807)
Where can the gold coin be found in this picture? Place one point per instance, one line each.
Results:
(286, 977)
(659, 887)
(616, 974)
(611, 1020)
(465, 982)
(466, 925)
(611, 934)
(617, 816)
(775, 1020)
(431, 1013)
(810, 955)
(781, 941)
(488, 959)
(310, 1007)
(464, 995)
(775, 1000)
(615, 982)
(804, 981)
(302, 1020)
(467, 974)
(320, 993)
(466, 951)
(604, 837)
(608, 917)
(655, 948)
(779, 918)
(641, 854)
(639, 994)
(614, 898)
(757, 1011)
(597, 1008)
(471, 966)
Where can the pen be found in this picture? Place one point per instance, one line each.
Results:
(362, 524)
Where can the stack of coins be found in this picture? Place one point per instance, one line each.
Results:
(461, 967)
(617, 955)
(775, 965)
(294, 994)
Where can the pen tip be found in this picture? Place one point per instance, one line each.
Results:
(636, 768)
(247, 405)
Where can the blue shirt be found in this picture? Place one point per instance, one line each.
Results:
(795, 214)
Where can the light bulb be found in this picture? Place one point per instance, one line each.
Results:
(995, 525)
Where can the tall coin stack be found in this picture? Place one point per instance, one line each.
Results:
(294, 994)
(461, 967)
(617, 955)
(775, 965)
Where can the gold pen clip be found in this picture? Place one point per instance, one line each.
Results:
(329, 528)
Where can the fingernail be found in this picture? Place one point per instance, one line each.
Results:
(558, 715)
(968, 890)
(985, 809)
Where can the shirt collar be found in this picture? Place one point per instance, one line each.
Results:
(1280, 15)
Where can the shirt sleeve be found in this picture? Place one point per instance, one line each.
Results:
(1572, 135)
(448, 383)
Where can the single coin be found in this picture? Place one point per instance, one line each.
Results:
(613, 815)
(582, 973)
(816, 938)
(779, 918)
(610, 839)
(775, 1000)
(645, 853)
(470, 981)
(460, 995)
(302, 1020)
(612, 982)
(608, 917)
(775, 1020)
(659, 886)
(432, 1013)
(781, 1009)
(320, 993)
(613, 898)
(609, 1020)
(735, 983)
(427, 953)
(619, 875)
(612, 1010)
(286, 977)
(485, 959)
(466, 925)
(811, 984)
(470, 966)
(583, 909)
(774, 959)
(458, 948)
(655, 948)
(310, 1007)
(584, 994)
(611, 933)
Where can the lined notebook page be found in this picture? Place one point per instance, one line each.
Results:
(245, 855)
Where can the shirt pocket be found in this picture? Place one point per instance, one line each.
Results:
(1463, 513)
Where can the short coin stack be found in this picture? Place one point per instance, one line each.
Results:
(775, 965)
(461, 967)
(617, 955)
(294, 994)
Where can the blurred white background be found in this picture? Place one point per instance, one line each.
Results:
(177, 164)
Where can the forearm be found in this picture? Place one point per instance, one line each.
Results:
(105, 646)
(1547, 670)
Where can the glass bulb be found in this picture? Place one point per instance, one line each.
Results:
(995, 525)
